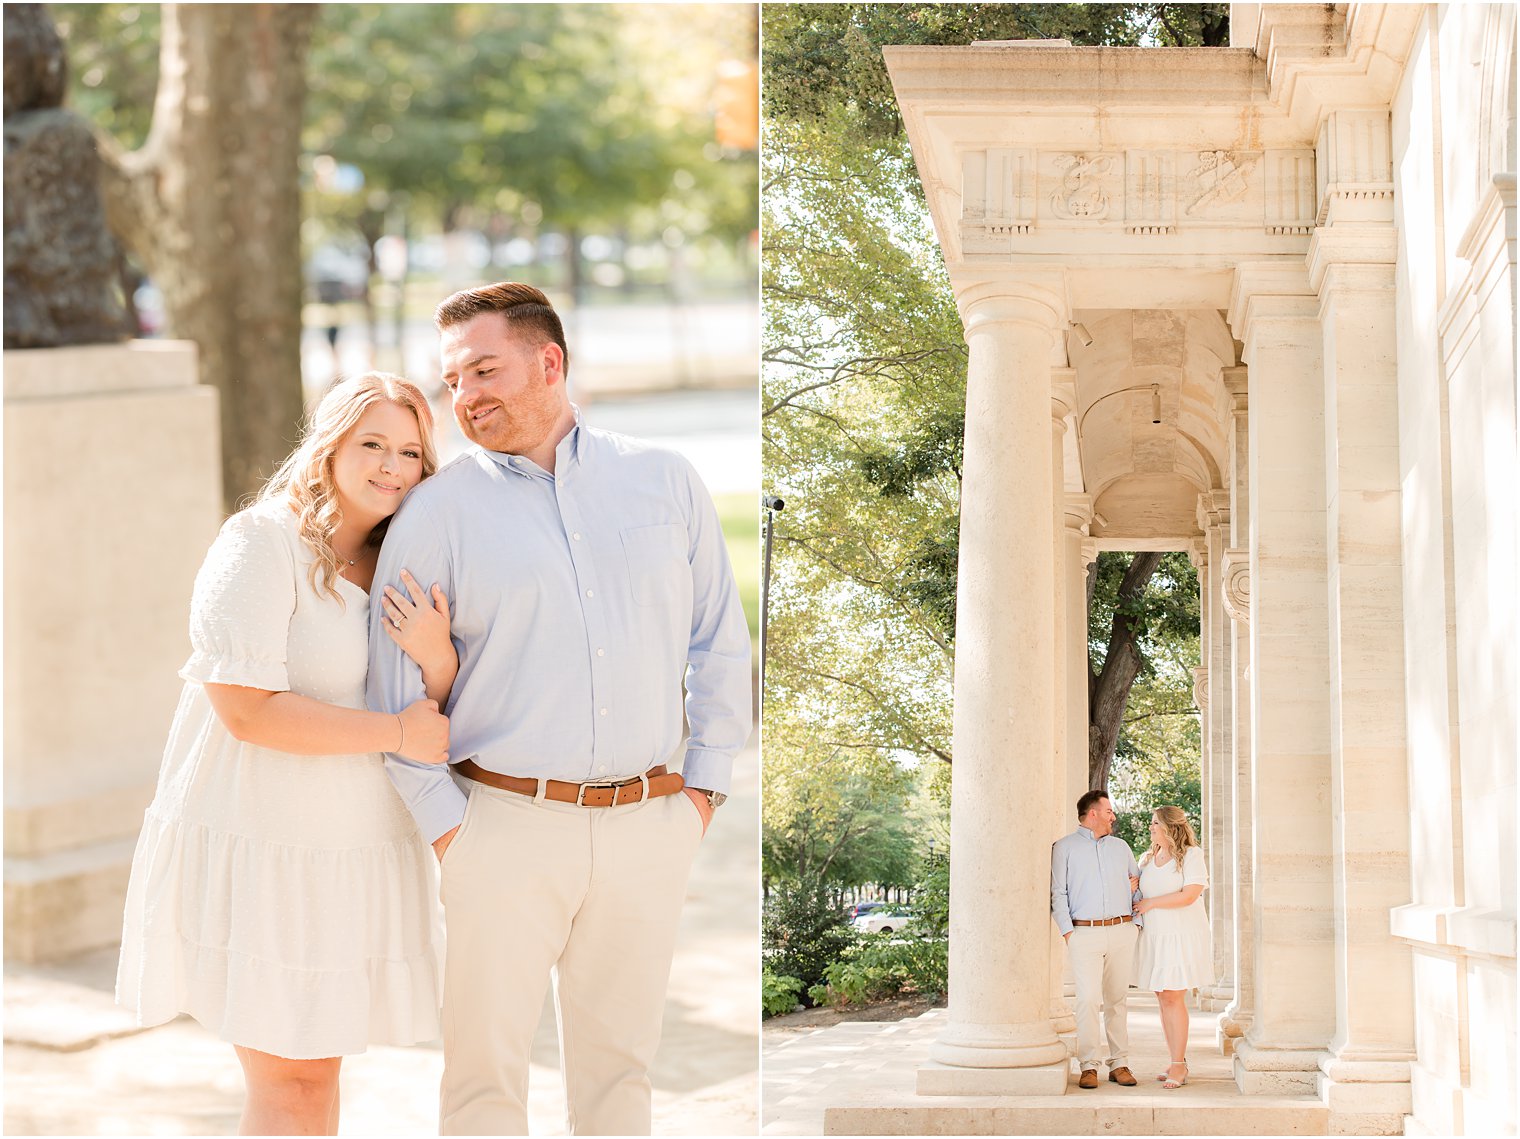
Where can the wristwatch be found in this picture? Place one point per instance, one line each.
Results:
(715, 799)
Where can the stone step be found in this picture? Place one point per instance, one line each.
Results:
(1204, 1114)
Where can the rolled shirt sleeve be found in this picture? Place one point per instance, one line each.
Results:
(1060, 901)
(412, 543)
(718, 693)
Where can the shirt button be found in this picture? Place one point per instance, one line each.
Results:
(602, 712)
(590, 593)
(601, 652)
(577, 537)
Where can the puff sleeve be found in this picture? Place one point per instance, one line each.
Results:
(1195, 869)
(245, 594)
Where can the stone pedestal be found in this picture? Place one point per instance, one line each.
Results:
(112, 496)
(999, 1033)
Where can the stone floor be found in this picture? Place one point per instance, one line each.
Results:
(75, 1064)
(858, 1078)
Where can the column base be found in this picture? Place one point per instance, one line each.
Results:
(1063, 1021)
(1216, 998)
(1229, 1030)
(1271, 1071)
(1028, 1045)
(943, 1079)
(1365, 1097)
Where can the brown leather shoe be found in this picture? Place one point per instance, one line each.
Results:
(1088, 1079)
(1121, 1076)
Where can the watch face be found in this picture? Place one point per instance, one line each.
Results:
(716, 799)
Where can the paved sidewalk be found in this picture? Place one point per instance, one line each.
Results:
(868, 1069)
(76, 1065)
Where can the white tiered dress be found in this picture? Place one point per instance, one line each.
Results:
(1174, 950)
(287, 902)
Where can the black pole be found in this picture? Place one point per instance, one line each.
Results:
(773, 506)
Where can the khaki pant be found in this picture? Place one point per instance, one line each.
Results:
(1102, 963)
(590, 895)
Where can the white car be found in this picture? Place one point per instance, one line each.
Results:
(888, 919)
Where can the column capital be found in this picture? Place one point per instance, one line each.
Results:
(1269, 290)
(1201, 689)
(1034, 297)
(1198, 554)
(1213, 510)
(1063, 393)
(1089, 551)
(1237, 382)
(1078, 512)
(1353, 257)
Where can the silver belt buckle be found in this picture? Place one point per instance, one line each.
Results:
(580, 796)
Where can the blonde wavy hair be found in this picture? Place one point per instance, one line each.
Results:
(305, 479)
(1177, 835)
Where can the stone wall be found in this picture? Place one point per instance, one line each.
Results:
(1454, 172)
(112, 496)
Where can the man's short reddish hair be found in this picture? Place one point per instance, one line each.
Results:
(527, 310)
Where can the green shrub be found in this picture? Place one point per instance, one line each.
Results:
(802, 932)
(885, 966)
(778, 995)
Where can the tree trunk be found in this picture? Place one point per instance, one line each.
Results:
(211, 207)
(1108, 691)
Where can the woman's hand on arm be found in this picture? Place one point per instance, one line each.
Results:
(419, 624)
(300, 725)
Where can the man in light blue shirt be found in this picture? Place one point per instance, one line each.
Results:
(1093, 878)
(589, 579)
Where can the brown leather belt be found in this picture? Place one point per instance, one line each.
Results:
(1105, 921)
(595, 794)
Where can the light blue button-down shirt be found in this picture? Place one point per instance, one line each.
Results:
(581, 600)
(1089, 878)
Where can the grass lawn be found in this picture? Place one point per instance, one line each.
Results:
(740, 516)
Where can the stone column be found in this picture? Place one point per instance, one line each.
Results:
(999, 1038)
(1063, 401)
(1214, 521)
(1079, 557)
(1274, 314)
(1365, 1079)
(1235, 595)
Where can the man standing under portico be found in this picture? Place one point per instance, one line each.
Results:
(588, 577)
(1093, 877)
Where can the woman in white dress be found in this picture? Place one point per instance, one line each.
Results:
(280, 892)
(1174, 948)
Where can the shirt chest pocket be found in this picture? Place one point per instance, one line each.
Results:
(657, 565)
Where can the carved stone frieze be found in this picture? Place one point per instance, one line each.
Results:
(1220, 177)
(1081, 193)
(1010, 192)
(1235, 581)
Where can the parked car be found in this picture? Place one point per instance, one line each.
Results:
(861, 908)
(887, 919)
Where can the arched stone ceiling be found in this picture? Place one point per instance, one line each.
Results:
(1144, 478)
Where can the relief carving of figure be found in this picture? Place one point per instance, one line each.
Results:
(1221, 177)
(1080, 195)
